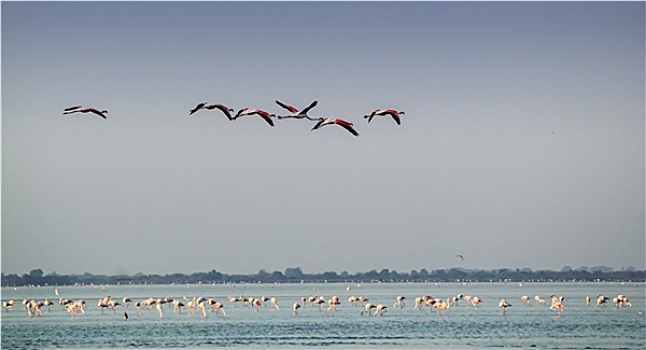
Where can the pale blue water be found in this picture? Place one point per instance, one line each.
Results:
(534, 326)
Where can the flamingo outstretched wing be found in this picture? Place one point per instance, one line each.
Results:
(72, 108)
(287, 107)
(97, 112)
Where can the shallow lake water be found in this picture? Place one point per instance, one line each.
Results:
(521, 326)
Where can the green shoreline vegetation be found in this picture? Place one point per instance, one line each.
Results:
(37, 277)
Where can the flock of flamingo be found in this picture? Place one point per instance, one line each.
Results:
(294, 113)
(200, 304)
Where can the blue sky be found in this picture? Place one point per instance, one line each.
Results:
(522, 144)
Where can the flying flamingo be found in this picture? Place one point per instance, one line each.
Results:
(344, 124)
(391, 112)
(80, 109)
(295, 112)
(198, 107)
(248, 111)
(226, 110)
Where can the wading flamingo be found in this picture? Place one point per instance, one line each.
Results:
(400, 302)
(601, 300)
(525, 300)
(367, 308)
(8, 305)
(504, 305)
(380, 309)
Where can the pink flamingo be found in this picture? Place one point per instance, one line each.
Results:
(393, 113)
(248, 111)
(227, 111)
(197, 108)
(295, 112)
(80, 109)
(344, 124)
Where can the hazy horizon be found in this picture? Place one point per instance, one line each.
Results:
(341, 272)
(522, 145)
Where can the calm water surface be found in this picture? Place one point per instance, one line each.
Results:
(533, 326)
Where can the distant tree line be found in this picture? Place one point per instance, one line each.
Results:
(296, 275)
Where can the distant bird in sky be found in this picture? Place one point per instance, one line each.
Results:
(80, 109)
(198, 107)
(248, 111)
(391, 112)
(295, 112)
(460, 256)
(340, 122)
(226, 110)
